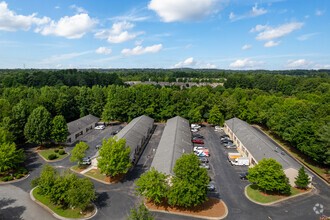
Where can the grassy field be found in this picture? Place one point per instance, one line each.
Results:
(255, 194)
(46, 153)
(297, 154)
(60, 210)
(96, 174)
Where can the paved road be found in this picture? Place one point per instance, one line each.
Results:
(115, 200)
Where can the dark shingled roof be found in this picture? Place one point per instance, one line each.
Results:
(260, 145)
(136, 132)
(175, 141)
(81, 123)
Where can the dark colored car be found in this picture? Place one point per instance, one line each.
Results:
(242, 176)
(225, 135)
(198, 141)
(210, 187)
(227, 145)
(198, 136)
(226, 141)
(203, 159)
(98, 146)
(114, 132)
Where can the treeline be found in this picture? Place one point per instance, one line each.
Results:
(70, 77)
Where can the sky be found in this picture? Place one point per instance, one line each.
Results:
(222, 34)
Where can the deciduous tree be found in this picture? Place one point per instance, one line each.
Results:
(59, 129)
(140, 213)
(78, 152)
(10, 157)
(114, 157)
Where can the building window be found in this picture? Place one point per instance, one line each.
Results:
(247, 153)
(253, 161)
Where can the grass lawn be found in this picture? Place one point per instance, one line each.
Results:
(257, 195)
(96, 174)
(46, 153)
(61, 211)
(297, 154)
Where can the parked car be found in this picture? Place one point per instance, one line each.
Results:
(203, 160)
(198, 136)
(225, 135)
(114, 132)
(206, 166)
(98, 146)
(194, 130)
(100, 127)
(198, 141)
(195, 126)
(242, 176)
(210, 187)
(86, 161)
(202, 153)
(231, 146)
(218, 128)
(197, 148)
(224, 138)
(226, 141)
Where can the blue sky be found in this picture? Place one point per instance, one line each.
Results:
(224, 34)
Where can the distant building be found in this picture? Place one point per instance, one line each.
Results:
(255, 145)
(81, 127)
(175, 141)
(136, 134)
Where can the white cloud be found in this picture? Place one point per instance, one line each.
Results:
(271, 43)
(319, 12)
(299, 64)
(188, 46)
(246, 64)
(58, 58)
(140, 50)
(78, 9)
(187, 63)
(70, 27)
(253, 13)
(246, 47)
(10, 21)
(103, 50)
(57, 7)
(306, 36)
(258, 28)
(183, 10)
(118, 33)
(270, 33)
(209, 66)
(320, 66)
(138, 42)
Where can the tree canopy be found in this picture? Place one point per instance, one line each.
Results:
(59, 129)
(302, 180)
(78, 152)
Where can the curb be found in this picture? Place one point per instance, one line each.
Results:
(56, 215)
(190, 215)
(91, 177)
(313, 189)
(53, 161)
(297, 159)
(16, 181)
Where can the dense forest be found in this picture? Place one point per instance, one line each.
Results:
(294, 107)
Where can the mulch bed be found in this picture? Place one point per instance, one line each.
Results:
(213, 207)
(114, 179)
(23, 175)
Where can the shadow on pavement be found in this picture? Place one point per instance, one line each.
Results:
(101, 200)
(10, 212)
(134, 174)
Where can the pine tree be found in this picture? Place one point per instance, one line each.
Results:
(302, 180)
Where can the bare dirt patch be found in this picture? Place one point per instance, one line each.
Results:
(213, 207)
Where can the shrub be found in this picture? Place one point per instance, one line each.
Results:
(60, 147)
(24, 171)
(18, 176)
(48, 145)
(52, 157)
(56, 150)
(61, 152)
(10, 178)
(5, 179)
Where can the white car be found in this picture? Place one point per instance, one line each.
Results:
(195, 126)
(99, 127)
(218, 128)
(196, 149)
(194, 130)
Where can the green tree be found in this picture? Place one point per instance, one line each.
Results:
(114, 157)
(59, 129)
(302, 180)
(189, 185)
(152, 185)
(140, 213)
(215, 116)
(81, 193)
(78, 152)
(10, 157)
(38, 127)
(46, 180)
(269, 176)
(6, 136)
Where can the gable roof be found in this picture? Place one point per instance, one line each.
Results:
(259, 144)
(81, 123)
(175, 141)
(135, 132)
